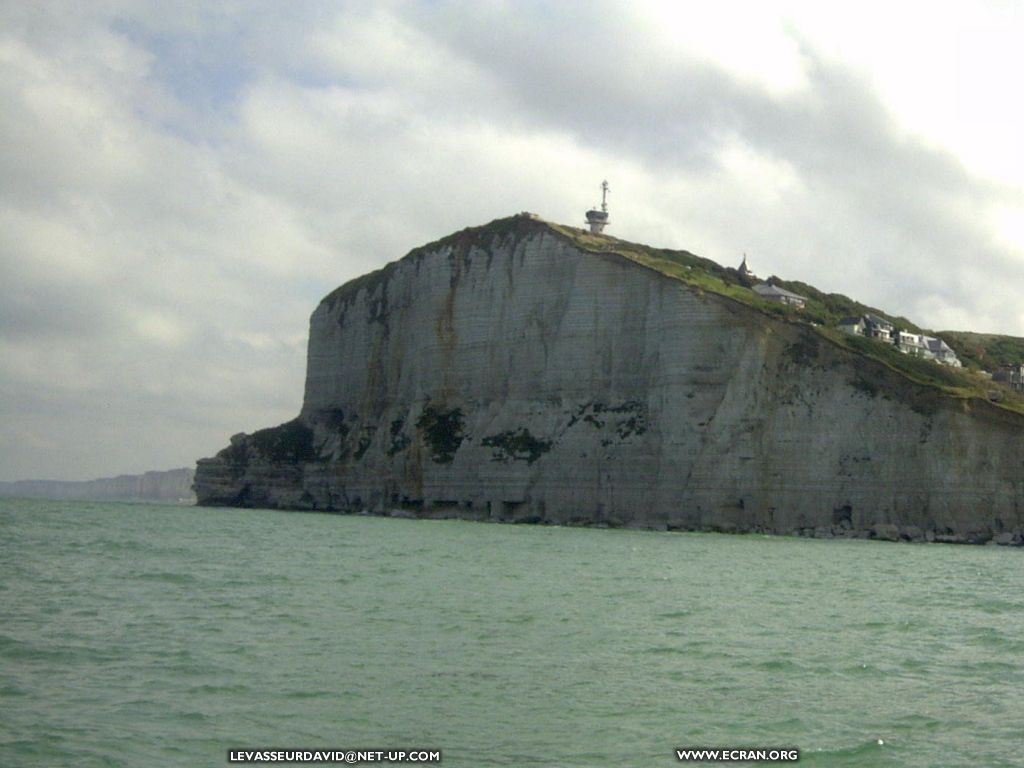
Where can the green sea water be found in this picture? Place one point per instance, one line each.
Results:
(139, 635)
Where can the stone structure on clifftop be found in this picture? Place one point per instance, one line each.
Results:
(597, 220)
(525, 372)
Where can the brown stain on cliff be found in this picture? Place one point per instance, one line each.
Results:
(377, 379)
(444, 322)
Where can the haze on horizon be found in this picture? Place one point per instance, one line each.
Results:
(182, 183)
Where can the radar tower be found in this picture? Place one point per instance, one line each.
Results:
(598, 219)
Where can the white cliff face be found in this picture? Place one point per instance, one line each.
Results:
(511, 376)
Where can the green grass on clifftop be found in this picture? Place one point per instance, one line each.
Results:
(822, 313)
(988, 351)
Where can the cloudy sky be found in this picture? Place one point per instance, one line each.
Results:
(180, 183)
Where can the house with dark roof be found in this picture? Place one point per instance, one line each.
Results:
(916, 344)
(1011, 375)
(870, 326)
(852, 325)
(780, 295)
(876, 327)
(940, 351)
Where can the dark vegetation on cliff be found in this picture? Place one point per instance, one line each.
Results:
(442, 431)
(289, 442)
(517, 445)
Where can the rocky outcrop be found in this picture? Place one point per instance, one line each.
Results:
(507, 374)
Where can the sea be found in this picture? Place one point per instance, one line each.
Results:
(160, 635)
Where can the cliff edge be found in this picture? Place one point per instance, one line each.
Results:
(524, 372)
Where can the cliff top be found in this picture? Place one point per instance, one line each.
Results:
(821, 312)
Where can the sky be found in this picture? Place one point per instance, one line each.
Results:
(181, 183)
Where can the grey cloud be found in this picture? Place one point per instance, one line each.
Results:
(141, 282)
(47, 312)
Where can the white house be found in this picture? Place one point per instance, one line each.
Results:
(878, 328)
(912, 344)
(940, 352)
(916, 344)
(871, 326)
(852, 325)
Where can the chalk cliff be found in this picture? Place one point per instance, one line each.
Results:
(508, 373)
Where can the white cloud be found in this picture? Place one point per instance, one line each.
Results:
(750, 40)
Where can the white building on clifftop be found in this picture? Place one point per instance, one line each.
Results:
(597, 220)
(779, 295)
(916, 344)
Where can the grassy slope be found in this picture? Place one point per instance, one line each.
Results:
(985, 350)
(823, 311)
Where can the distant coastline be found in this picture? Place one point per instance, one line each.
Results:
(173, 486)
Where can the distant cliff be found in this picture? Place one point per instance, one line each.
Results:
(174, 485)
(523, 372)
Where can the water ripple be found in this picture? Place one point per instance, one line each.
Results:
(132, 635)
